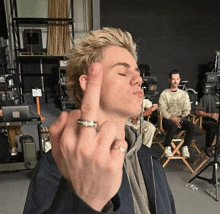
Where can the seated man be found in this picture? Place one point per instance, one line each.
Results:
(148, 128)
(12, 132)
(208, 108)
(174, 105)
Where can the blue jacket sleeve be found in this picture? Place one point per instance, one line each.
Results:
(66, 201)
(50, 193)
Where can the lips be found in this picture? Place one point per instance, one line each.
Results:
(139, 93)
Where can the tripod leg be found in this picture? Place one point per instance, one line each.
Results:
(216, 180)
(200, 172)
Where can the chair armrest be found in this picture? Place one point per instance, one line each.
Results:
(160, 122)
(200, 122)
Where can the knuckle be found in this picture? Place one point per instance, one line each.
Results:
(82, 153)
(86, 107)
(111, 169)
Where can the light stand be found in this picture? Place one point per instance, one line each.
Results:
(217, 64)
(215, 163)
(141, 121)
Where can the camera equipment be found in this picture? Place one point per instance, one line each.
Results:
(212, 79)
(150, 84)
(150, 87)
(212, 85)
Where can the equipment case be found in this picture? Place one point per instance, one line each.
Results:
(28, 148)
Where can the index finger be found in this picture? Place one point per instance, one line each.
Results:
(91, 97)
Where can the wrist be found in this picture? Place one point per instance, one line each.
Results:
(183, 115)
(207, 115)
(173, 118)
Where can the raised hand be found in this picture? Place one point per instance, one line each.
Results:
(90, 161)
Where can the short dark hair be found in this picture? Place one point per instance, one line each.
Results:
(174, 71)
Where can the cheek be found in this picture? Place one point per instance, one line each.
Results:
(114, 93)
(113, 87)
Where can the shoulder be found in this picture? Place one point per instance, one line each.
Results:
(165, 92)
(148, 152)
(183, 93)
(205, 97)
(147, 103)
(208, 98)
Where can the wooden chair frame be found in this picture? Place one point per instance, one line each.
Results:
(202, 156)
(179, 139)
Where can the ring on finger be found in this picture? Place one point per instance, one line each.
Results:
(121, 148)
(88, 123)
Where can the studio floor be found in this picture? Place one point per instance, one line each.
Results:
(14, 184)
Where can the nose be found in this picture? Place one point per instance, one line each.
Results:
(136, 80)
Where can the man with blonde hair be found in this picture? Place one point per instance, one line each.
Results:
(96, 163)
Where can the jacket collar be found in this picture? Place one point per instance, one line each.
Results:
(134, 140)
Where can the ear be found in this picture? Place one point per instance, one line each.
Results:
(83, 81)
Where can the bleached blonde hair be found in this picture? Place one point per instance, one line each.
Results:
(89, 49)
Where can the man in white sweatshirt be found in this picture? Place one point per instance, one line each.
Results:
(174, 105)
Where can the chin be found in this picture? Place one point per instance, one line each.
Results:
(135, 112)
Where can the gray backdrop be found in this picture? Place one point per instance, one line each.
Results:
(180, 34)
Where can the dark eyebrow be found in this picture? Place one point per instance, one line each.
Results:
(125, 65)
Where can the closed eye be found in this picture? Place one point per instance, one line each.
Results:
(122, 74)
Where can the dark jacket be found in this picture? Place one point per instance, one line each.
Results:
(50, 193)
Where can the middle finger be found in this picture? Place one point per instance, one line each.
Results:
(91, 97)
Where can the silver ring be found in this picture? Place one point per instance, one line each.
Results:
(88, 123)
(121, 148)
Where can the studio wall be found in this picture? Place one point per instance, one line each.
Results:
(174, 34)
